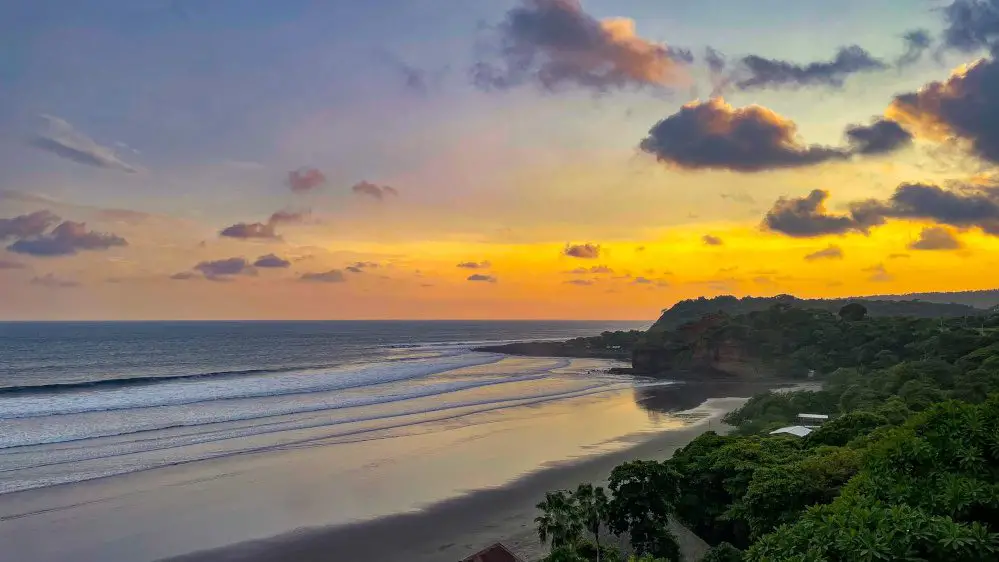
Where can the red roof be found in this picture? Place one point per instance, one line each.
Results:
(494, 553)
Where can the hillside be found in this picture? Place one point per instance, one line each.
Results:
(984, 299)
(693, 310)
(784, 340)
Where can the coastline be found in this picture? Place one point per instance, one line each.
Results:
(456, 528)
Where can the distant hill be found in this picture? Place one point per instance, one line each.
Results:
(920, 306)
(985, 299)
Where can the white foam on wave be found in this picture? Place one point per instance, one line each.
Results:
(23, 471)
(209, 389)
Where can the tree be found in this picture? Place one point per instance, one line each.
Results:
(644, 498)
(593, 509)
(724, 552)
(559, 520)
(853, 312)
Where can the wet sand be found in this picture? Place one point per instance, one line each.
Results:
(452, 530)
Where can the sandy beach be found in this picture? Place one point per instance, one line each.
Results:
(452, 530)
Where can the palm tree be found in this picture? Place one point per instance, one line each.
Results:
(559, 520)
(592, 505)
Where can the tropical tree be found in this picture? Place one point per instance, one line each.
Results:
(560, 520)
(593, 507)
(645, 494)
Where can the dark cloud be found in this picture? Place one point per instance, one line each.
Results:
(583, 251)
(225, 268)
(183, 276)
(475, 265)
(880, 137)
(482, 278)
(712, 240)
(245, 230)
(936, 238)
(61, 139)
(714, 135)
(304, 180)
(65, 240)
(758, 72)
(832, 252)
(579, 282)
(715, 60)
(596, 270)
(963, 206)
(52, 282)
(23, 226)
(372, 190)
(879, 274)
(806, 216)
(917, 42)
(964, 107)
(971, 24)
(11, 264)
(331, 276)
(286, 217)
(554, 43)
(679, 54)
(642, 281)
(359, 267)
(271, 260)
(898, 256)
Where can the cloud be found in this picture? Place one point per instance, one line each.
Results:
(554, 43)
(715, 135)
(898, 256)
(965, 206)
(52, 282)
(359, 267)
(880, 137)
(739, 197)
(832, 252)
(971, 24)
(23, 226)
(65, 240)
(579, 282)
(597, 270)
(61, 139)
(583, 251)
(220, 269)
(183, 276)
(917, 42)
(475, 265)
(712, 240)
(271, 261)
(304, 180)
(126, 216)
(245, 230)
(286, 217)
(936, 238)
(11, 264)
(372, 190)
(642, 281)
(331, 276)
(806, 217)
(482, 278)
(715, 60)
(756, 72)
(879, 274)
(963, 107)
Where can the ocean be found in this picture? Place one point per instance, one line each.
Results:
(141, 441)
(85, 400)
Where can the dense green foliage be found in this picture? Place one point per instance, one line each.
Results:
(906, 469)
(694, 309)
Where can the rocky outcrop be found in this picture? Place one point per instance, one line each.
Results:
(556, 349)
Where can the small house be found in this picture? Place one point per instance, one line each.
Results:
(494, 553)
(812, 419)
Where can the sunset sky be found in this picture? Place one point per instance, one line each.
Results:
(237, 159)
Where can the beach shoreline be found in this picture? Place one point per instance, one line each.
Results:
(456, 528)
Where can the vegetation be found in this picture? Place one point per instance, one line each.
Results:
(906, 469)
(692, 310)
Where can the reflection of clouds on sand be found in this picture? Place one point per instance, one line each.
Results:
(691, 401)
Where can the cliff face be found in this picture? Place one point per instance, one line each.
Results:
(697, 350)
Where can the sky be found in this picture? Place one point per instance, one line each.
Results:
(574, 159)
